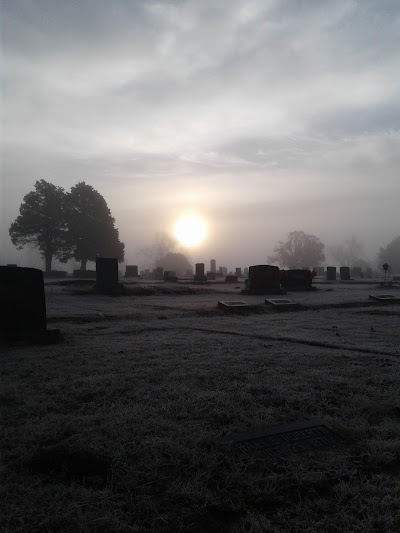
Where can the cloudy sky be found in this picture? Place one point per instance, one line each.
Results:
(263, 116)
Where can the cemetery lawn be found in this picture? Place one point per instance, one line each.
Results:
(118, 427)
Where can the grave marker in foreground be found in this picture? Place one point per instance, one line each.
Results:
(280, 303)
(385, 298)
(232, 304)
(281, 441)
(23, 306)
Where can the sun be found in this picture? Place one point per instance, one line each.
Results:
(189, 230)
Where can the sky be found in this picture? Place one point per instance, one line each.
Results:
(261, 116)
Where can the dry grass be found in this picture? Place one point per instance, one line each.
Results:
(118, 427)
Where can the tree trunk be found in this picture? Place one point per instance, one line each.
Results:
(48, 259)
(83, 264)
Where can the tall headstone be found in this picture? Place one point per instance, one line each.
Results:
(246, 272)
(158, 273)
(263, 279)
(131, 271)
(213, 266)
(345, 273)
(106, 274)
(331, 273)
(23, 306)
(238, 272)
(199, 272)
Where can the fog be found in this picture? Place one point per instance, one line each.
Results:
(264, 117)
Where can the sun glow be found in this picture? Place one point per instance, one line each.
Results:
(190, 230)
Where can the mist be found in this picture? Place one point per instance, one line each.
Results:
(264, 117)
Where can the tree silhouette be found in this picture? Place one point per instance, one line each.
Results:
(91, 227)
(391, 254)
(300, 250)
(350, 253)
(42, 223)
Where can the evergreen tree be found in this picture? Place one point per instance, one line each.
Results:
(91, 227)
(42, 223)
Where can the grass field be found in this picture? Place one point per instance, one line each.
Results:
(118, 427)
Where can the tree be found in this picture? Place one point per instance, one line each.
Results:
(42, 223)
(91, 227)
(177, 262)
(162, 245)
(390, 254)
(299, 251)
(350, 253)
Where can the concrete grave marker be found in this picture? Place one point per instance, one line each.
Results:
(23, 306)
(282, 303)
(296, 279)
(232, 304)
(385, 298)
(281, 441)
(199, 273)
(106, 274)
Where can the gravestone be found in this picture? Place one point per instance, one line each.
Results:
(158, 273)
(246, 272)
(213, 266)
(263, 279)
(231, 279)
(106, 274)
(232, 304)
(385, 298)
(320, 271)
(238, 272)
(296, 279)
(23, 306)
(280, 303)
(357, 272)
(169, 276)
(331, 273)
(131, 271)
(199, 272)
(281, 441)
(211, 276)
(345, 273)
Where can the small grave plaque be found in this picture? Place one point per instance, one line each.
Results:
(281, 303)
(281, 441)
(232, 305)
(385, 298)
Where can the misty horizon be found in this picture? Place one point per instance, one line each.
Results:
(263, 118)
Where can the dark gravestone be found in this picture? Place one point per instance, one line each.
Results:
(320, 271)
(131, 271)
(199, 273)
(331, 273)
(23, 305)
(106, 274)
(213, 266)
(357, 272)
(169, 275)
(263, 279)
(238, 272)
(231, 279)
(296, 279)
(281, 441)
(211, 276)
(158, 273)
(345, 273)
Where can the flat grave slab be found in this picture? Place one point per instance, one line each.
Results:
(281, 441)
(385, 298)
(235, 304)
(282, 303)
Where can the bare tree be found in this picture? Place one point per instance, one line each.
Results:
(350, 253)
